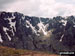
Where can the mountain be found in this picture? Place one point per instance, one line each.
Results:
(37, 33)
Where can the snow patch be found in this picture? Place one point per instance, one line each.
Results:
(42, 27)
(4, 28)
(33, 28)
(64, 22)
(1, 39)
(73, 25)
(12, 24)
(23, 17)
(61, 38)
(27, 26)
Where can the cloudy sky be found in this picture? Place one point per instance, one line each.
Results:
(41, 8)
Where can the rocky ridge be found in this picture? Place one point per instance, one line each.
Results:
(37, 33)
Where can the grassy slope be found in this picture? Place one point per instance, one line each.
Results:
(5, 51)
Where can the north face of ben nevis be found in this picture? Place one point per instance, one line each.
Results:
(37, 33)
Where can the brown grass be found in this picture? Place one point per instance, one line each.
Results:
(5, 51)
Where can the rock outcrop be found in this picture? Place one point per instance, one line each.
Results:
(37, 33)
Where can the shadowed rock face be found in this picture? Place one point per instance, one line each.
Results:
(34, 33)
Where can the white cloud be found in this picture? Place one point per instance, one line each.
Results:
(44, 8)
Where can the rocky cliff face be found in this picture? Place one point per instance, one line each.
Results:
(34, 33)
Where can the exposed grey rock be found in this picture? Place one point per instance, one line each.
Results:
(34, 33)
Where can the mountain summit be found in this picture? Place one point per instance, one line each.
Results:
(37, 33)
